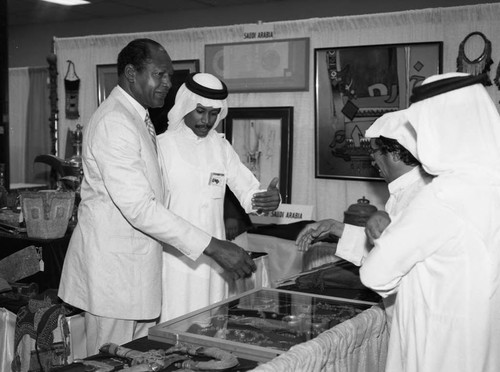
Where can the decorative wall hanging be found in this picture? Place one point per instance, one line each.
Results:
(474, 54)
(52, 61)
(263, 137)
(260, 66)
(107, 78)
(71, 86)
(355, 86)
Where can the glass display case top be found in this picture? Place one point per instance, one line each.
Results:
(260, 322)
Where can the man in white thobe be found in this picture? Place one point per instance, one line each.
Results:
(405, 178)
(199, 163)
(442, 254)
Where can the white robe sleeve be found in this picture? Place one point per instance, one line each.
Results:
(425, 227)
(240, 179)
(353, 246)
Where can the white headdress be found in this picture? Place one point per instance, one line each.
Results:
(199, 88)
(395, 125)
(457, 126)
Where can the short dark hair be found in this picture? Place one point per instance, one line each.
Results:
(137, 53)
(389, 145)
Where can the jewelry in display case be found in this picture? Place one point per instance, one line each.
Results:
(259, 324)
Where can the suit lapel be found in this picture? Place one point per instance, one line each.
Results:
(149, 154)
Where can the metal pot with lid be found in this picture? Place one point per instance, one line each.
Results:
(359, 213)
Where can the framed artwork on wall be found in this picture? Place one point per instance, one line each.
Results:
(263, 139)
(107, 78)
(353, 87)
(260, 66)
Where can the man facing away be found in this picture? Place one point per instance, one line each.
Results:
(441, 254)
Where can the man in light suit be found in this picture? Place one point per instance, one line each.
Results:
(112, 269)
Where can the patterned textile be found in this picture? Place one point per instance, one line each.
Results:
(38, 320)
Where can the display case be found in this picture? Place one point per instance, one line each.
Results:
(259, 324)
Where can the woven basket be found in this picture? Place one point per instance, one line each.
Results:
(47, 213)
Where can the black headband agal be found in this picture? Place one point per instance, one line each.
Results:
(446, 85)
(203, 91)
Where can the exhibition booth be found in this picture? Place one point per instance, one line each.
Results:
(291, 103)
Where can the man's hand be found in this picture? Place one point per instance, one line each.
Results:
(317, 231)
(232, 228)
(269, 200)
(376, 224)
(231, 258)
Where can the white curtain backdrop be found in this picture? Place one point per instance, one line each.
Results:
(19, 87)
(29, 126)
(329, 197)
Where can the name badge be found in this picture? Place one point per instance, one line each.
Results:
(216, 179)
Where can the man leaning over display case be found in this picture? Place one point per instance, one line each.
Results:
(441, 254)
(392, 144)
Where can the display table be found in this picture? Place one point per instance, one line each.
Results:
(356, 345)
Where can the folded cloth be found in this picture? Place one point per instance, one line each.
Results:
(340, 274)
(21, 264)
(338, 279)
(4, 285)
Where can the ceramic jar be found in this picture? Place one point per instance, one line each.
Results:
(359, 213)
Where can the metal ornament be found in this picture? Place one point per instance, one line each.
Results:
(71, 87)
(479, 65)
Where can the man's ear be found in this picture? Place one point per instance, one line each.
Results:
(130, 72)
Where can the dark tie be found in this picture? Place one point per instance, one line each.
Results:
(151, 130)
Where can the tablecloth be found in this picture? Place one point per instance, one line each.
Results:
(356, 345)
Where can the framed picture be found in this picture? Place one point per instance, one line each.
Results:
(263, 138)
(353, 87)
(107, 78)
(260, 66)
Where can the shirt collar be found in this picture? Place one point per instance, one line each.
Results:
(406, 179)
(136, 105)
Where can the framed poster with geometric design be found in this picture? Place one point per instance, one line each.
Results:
(353, 87)
(260, 66)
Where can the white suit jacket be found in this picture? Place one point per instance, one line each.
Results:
(113, 264)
